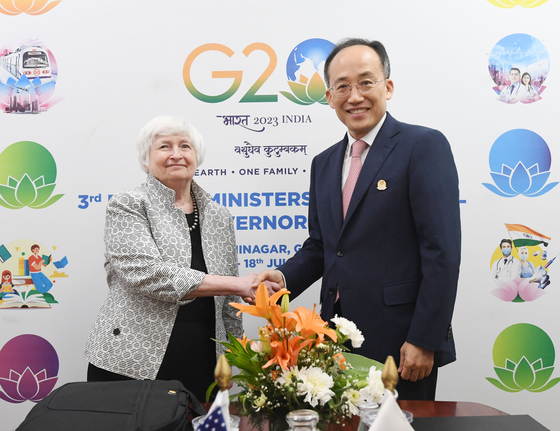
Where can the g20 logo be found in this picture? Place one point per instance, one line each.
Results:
(304, 69)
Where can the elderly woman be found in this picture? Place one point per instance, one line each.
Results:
(171, 267)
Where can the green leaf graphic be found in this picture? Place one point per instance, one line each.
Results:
(499, 385)
(549, 385)
(292, 98)
(524, 374)
(541, 377)
(9, 196)
(26, 192)
(48, 203)
(506, 376)
(43, 193)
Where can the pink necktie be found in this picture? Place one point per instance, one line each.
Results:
(358, 148)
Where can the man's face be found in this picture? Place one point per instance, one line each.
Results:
(35, 251)
(359, 112)
(513, 76)
(506, 249)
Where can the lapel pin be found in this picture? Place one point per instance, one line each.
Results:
(381, 185)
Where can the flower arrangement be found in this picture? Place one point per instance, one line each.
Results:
(300, 363)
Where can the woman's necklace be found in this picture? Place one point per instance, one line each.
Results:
(195, 207)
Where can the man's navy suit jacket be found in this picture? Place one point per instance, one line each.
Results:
(395, 257)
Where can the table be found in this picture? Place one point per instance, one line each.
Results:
(423, 409)
(420, 409)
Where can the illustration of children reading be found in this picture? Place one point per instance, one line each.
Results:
(7, 286)
(36, 262)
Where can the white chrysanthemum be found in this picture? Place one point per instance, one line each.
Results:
(373, 392)
(259, 402)
(352, 401)
(349, 328)
(316, 386)
(287, 375)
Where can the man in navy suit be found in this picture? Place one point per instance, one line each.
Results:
(389, 250)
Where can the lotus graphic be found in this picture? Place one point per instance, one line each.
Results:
(517, 290)
(28, 93)
(304, 69)
(30, 7)
(507, 4)
(523, 359)
(27, 176)
(520, 165)
(26, 362)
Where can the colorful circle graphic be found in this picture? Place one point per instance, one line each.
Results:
(519, 64)
(28, 369)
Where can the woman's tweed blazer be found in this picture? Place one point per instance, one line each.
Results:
(148, 255)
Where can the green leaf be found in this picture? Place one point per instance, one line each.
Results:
(209, 391)
(361, 363)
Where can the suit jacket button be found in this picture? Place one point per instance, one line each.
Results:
(331, 291)
(449, 333)
(340, 253)
(116, 331)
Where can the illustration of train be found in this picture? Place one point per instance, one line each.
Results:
(31, 61)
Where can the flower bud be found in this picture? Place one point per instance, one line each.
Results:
(285, 304)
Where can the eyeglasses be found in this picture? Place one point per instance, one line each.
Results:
(365, 86)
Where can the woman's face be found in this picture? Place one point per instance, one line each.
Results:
(526, 79)
(523, 254)
(172, 159)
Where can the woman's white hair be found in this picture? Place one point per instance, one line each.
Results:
(167, 126)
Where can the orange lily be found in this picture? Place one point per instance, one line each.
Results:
(341, 360)
(265, 306)
(244, 341)
(308, 323)
(287, 352)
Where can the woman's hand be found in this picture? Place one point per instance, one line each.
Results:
(249, 291)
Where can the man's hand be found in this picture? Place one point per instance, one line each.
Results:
(416, 362)
(270, 281)
(274, 276)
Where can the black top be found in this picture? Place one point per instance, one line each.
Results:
(191, 353)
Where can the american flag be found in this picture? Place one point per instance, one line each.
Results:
(214, 421)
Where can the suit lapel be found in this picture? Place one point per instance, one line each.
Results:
(382, 146)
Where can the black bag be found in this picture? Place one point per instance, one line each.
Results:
(130, 405)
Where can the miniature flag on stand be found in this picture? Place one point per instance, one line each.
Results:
(218, 418)
(215, 420)
(390, 416)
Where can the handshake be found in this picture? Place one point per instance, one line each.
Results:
(274, 281)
